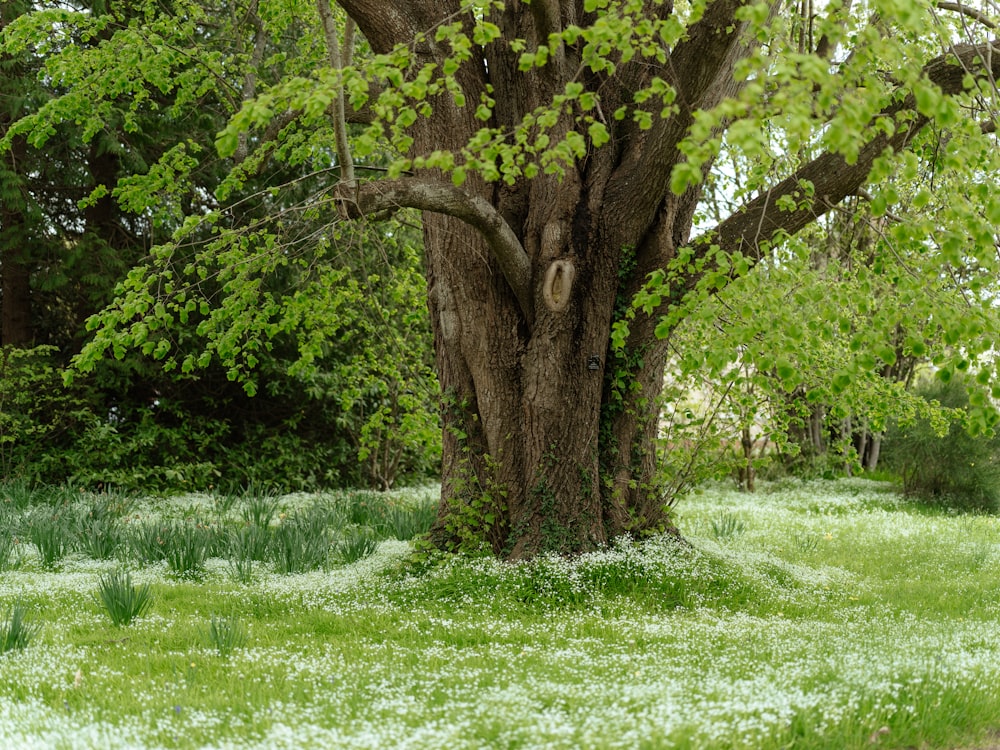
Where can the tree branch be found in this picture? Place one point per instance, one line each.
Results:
(250, 79)
(700, 69)
(825, 48)
(338, 61)
(386, 24)
(832, 178)
(965, 10)
(437, 197)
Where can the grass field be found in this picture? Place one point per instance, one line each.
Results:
(809, 615)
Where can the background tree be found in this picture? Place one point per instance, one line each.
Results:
(559, 151)
(111, 164)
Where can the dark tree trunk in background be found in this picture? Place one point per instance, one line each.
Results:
(15, 238)
(15, 302)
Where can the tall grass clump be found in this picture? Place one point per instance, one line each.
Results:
(18, 630)
(9, 552)
(16, 494)
(226, 634)
(301, 543)
(52, 534)
(364, 508)
(407, 522)
(100, 538)
(259, 508)
(147, 542)
(727, 526)
(247, 546)
(954, 469)
(187, 545)
(355, 544)
(123, 601)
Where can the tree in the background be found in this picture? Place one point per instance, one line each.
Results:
(19, 225)
(559, 150)
(108, 161)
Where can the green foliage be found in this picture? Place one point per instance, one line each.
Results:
(944, 464)
(328, 328)
(123, 601)
(248, 279)
(18, 630)
(36, 410)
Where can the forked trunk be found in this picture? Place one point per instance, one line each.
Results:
(543, 450)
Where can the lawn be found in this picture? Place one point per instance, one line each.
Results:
(826, 614)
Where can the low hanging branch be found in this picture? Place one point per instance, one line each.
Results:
(391, 195)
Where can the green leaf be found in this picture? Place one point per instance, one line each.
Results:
(598, 133)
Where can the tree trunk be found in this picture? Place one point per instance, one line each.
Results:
(874, 448)
(539, 454)
(15, 297)
(746, 471)
(816, 424)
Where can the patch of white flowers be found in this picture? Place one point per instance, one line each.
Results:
(456, 673)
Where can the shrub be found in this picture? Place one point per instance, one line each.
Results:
(954, 469)
(122, 601)
(36, 411)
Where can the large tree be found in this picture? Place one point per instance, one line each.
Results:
(558, 150)
(525, 274)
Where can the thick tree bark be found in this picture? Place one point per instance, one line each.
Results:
(549, 441)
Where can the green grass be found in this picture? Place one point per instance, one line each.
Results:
(837, 614)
